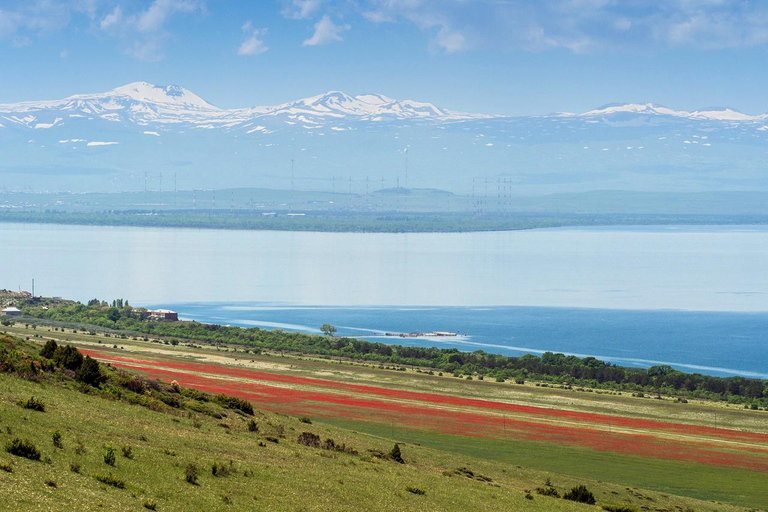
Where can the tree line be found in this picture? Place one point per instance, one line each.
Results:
(550, 367)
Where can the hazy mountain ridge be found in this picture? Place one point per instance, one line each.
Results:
(144, 103)
(108, 141)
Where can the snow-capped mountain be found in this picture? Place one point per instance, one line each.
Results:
(143, 103)
(651, 109)
(107, 141)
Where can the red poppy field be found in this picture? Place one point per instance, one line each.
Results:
(473, 417)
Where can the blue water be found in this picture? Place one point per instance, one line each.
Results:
(693, 297)
(704, 342)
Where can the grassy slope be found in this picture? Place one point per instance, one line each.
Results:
(285, 476)
(290, 476)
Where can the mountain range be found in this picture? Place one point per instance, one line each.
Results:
(120, 139)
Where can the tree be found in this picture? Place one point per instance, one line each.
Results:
(113, 314)
(328, 329)
(48, 349)
(68, 357)
(88, 372)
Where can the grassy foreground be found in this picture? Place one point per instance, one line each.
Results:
(285, 475)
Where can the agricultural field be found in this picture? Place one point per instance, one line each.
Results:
(642, 453)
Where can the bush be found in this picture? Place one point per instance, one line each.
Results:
(74, 467)
(127, 452)
(309, 439)
(89, 372)
(306, 420)
(416, 490)
(231, 402)
(252, 426)
(150, 505)
(395, 454)
(111, 480)
(56, 438)
(22, 448)
(6, 466)
(51, 483)
(109, 456)
(68, 357)
(618, 508)
(580, 494)
(222, 469)
(548, 491)
(48, 349)
(190, 474)
(32, 403)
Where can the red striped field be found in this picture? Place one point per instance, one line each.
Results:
(463, 416)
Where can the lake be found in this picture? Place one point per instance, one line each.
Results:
(687, 295)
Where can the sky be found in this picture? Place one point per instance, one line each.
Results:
(512, 57)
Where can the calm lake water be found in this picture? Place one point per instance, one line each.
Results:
(640, 270)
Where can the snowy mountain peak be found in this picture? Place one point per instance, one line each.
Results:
(170, 94)
(710, 113)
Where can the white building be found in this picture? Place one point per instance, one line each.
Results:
(11, 311)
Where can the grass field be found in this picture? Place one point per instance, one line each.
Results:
(642, 453)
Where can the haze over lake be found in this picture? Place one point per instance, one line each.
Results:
(690, 268)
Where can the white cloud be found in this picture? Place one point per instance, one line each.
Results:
(155, 17)
(253, 44)
(301, 9)
(579, 25)
(450, 40)
(111, 19)
(326, 31)
(64, 54)
(144, 32)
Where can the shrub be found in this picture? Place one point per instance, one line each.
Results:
(32, 403)
(89, 372)
(231, 402)
(51, 483)
(306, 420)
(580, 494)
(80, 448)
(48, 349)
(309, 439)
(416, 490)
(618, 508)
(548, 491)
(109, 456)
(190, 474)
(111, 480)
(56, 438)
(252, 426)
(127, 452)
(22, 448)
(222, 469)
(6, 466)
(74, 467)
(68, 357)
(150, 505)
(395, 454)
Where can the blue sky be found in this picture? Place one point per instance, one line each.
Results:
(494, 56)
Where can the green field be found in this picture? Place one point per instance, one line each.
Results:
(289, 476)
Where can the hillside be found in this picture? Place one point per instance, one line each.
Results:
(466, 444)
